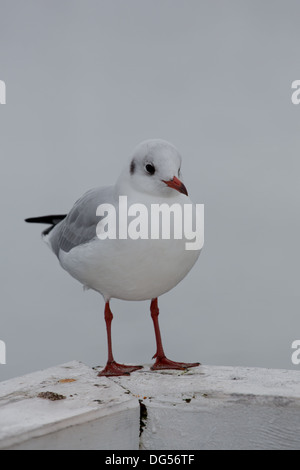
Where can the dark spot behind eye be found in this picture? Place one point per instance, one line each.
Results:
(150, 168)
(132, 167)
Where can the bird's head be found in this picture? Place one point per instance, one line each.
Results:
(154, 168)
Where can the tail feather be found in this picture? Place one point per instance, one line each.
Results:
(47, 219)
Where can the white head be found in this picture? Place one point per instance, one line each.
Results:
(154, 168)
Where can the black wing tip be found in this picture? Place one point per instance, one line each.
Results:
(30, 220)
(47, 219)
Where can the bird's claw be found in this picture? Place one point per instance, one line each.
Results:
(162, 363)
(114, 369)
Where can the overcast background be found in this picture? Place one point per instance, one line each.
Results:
(89, 79)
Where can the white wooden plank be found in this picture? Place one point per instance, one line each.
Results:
(92, 403)
(213, 407)
(207, 407)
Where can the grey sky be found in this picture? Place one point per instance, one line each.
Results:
(88, 80)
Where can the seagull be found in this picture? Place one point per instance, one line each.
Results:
(124, 268)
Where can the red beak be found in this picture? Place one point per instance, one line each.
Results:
(175, 183)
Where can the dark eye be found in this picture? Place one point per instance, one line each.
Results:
(150, 169)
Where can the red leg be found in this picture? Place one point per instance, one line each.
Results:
(112, 367)
(161, 360)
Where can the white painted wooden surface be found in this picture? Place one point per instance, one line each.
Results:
(96, 413)
(204, 408)
(219, 408)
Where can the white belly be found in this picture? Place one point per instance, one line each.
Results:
(130, 269)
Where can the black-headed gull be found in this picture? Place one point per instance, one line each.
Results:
(122, 267)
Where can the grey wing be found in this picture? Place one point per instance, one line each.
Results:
(79, 227)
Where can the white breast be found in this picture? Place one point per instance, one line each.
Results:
(131, 269)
